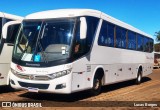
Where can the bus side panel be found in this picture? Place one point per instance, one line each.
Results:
(119, 72)
(149, 65)
(111, 73)
(4, 73)
(147, 69)
(80, 75)
(121, 64)
(5, 59)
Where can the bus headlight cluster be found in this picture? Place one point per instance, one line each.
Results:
(14, 71)
(59, 74)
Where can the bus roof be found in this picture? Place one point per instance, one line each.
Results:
(64, 13)
(10, 16)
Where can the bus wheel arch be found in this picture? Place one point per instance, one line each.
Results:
(97, 82)
(139, 75)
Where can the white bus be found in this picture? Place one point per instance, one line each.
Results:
(12, 23)
(69, 50)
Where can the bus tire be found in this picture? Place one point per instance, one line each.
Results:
(139, 77)
(97, 84)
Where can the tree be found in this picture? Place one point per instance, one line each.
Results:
(157, 47)
(157, 34)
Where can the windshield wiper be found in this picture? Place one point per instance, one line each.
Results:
(38, 44)
(43, 53)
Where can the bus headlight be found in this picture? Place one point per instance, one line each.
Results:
(14, 71)
(59, 74)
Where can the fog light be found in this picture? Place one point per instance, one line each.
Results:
(61, 86)
(12, 82)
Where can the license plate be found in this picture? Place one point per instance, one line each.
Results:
(31, 89)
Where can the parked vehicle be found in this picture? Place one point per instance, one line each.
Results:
(6, 43)
(70, 50)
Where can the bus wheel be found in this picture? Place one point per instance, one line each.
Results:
(97, 84)
(139, 77)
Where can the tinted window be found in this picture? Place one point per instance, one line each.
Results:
(0, 27)
(146, 44)
(131, 40)
(110, 37)
(139, 42)
(78, 47)
(84, 45)
(92, 23)
(118, 37)
(102, 40)
(106, 36)
(124, 33)
(151, 45)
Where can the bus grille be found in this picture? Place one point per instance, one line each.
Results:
(39, 86)
(33, 77)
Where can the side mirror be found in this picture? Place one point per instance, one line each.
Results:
(10, 30)
(83, 28)
(5, 29)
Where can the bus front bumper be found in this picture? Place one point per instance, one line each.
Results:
(61, 85)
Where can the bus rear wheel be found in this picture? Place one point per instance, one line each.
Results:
(139, 77)
(97, 84)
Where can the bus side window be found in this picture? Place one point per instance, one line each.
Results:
(78, 46)
(151, 45)
(102, 40)
(92, 23)
(82, 46)
(123, 38)
(146, 44)
(106, 36)
(118, 37)
(140, 42)
(131, 40)
(110, 35)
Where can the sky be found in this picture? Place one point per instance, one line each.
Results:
(142, 14)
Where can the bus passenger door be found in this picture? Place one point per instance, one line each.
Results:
(80, 75)
(9, 32)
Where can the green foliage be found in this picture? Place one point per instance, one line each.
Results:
(157, 47)
(157, 34)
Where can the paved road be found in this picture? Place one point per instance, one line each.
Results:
(126, 92)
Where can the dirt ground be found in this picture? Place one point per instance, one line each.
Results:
(122, 96)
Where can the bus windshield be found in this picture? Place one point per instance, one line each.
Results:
(44, 41)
